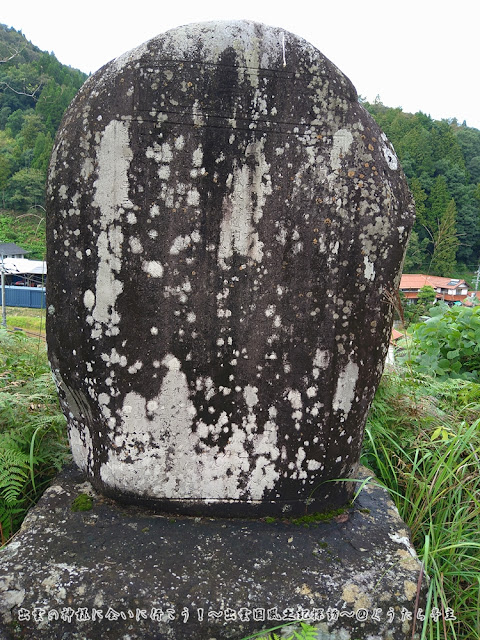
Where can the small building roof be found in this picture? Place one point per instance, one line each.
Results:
(11, 249)
(395, 335)
(418, 280)
(20, 266)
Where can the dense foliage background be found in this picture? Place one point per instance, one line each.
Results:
(35, 90)
(441, 160)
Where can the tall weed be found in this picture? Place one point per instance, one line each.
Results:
(423, 441)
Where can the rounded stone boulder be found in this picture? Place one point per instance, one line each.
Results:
(226, 228)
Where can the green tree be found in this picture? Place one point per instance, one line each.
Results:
(35, 89)
(426, 295)
(27, 188)
(445, 144)
(415, 255)
(413, 312)
(15, 122)
(474, 169)
(437, 203)
(4, 176)
(32, 126)
(42, 152)
(416, 152)
(52, 103)
(420, 198)
(468, 226)
(445, 243)
(5, 112)
(8, 162)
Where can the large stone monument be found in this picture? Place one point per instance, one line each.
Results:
(226, 226)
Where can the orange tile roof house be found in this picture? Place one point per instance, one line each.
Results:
(446, 289)
(395, 335)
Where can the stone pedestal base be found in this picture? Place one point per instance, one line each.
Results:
(116, 572)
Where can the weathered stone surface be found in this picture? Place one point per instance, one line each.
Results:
(127, 565)
(225, 226)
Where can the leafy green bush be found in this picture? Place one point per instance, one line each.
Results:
(33, 442)
(447, 344)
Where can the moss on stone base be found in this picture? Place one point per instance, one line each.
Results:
(82, 502)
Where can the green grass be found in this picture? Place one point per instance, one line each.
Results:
(423, 442)
(30, 320)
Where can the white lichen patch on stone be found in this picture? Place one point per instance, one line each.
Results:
(89, 299)
(342, 141)
(197, 157)
(135, 245)
(193, 197)
(389, 153)
(153, 445)
(180, 243)
(153, 268)
(243, 208)
(295, 398)
(369, 271)
(261, 180)
(250, 395)
(345, 388)
(114, 358)
(111, 194)
(161, 153)
(80, 444)
(264, 474)
(136, 366)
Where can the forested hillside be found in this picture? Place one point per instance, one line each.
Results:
(441, 160)
(35, 90)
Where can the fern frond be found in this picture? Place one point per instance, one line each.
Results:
(14, 470)
(308, 632)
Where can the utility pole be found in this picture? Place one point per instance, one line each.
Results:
(477, 281)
